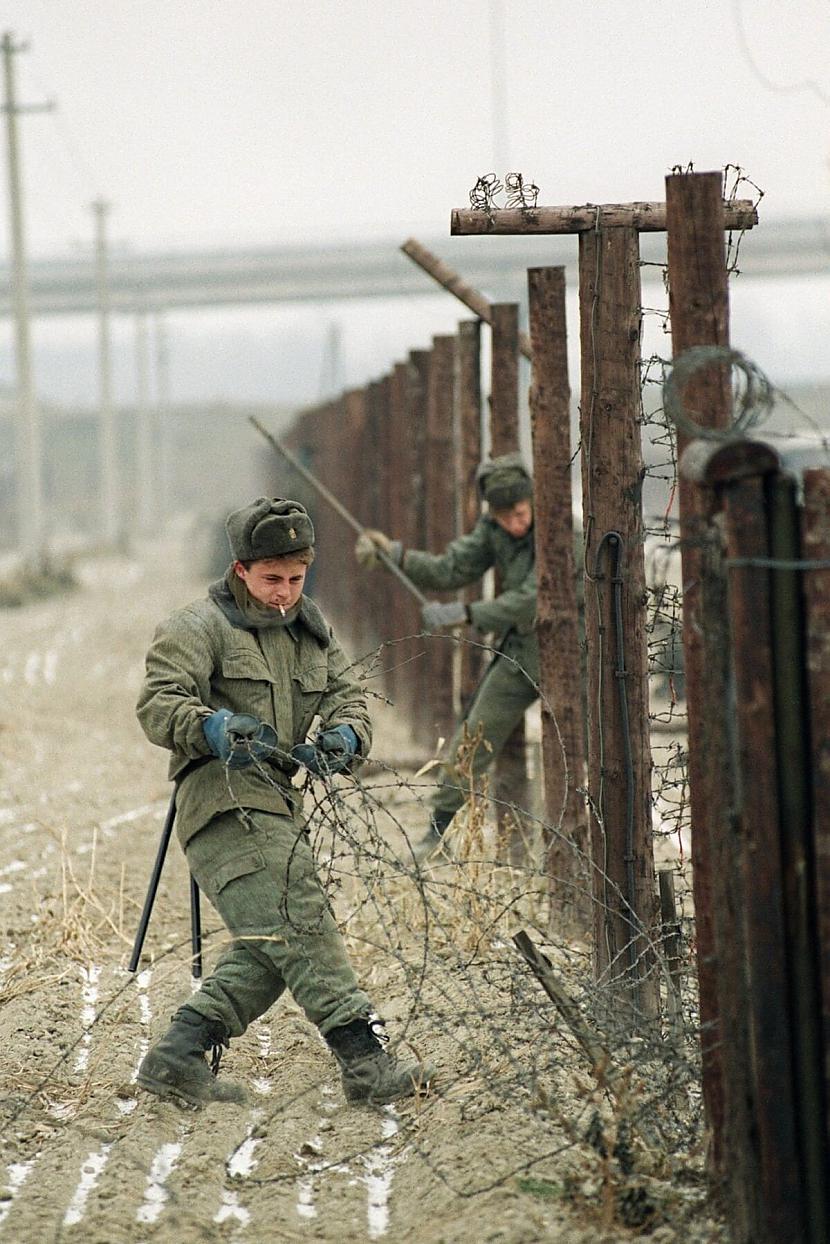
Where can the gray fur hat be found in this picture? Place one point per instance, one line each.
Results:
(503, 481)
(269, 527)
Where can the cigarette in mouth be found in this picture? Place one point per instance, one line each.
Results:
(282, 611)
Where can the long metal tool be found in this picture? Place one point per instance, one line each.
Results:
(155, 877)
(336, 505)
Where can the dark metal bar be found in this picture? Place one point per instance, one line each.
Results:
(155, 877)
(468, 428)
(762, 882)
(195, 930)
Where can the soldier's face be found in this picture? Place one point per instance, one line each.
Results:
(274, 581)
(517, 520)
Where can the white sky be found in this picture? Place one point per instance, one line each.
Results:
(212, 123)
(234, 122)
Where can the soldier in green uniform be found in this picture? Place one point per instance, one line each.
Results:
(502, 538)
(233, 685)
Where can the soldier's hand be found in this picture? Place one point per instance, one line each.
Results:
(438, 613)
(370, 541)
(332, 751)
(238, 739)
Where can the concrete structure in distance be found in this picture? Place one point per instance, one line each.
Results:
(778, 248)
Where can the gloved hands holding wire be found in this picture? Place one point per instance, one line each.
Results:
(331, 752)
(239, 739)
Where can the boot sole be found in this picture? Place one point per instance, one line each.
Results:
(181, 1096)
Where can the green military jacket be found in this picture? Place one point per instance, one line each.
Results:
(210, 655)
(512, 614)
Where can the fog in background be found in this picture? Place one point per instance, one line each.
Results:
(218, 124)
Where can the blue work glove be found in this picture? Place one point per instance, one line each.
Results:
(238, 739)
(331, 752)
(438, 613)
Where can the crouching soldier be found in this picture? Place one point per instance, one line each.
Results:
(232, 686)
(502, 538)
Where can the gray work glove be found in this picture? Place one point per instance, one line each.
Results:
(238, 739)
(438, 613)
(370, 541)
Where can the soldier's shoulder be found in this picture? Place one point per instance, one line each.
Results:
(200, 615)
(314, 620)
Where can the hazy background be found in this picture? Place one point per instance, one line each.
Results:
(239, 123)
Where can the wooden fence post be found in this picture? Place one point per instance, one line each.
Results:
(510, 784)
(699, 312)
(468, 426)
(560, 680)
(440, 492)
(619, 755)
(415, 537)
(815, 535)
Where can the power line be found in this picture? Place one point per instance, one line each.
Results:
(806, 84)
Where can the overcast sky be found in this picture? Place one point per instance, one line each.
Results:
(212, 123)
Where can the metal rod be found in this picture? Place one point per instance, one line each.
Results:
(336, 505)
(155, 876)
(195, 930)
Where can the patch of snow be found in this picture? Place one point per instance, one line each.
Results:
(380, 1170)
(90, 1174)
(16, 1175)
(155, 1194)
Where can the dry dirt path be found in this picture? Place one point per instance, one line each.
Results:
(85, 1156)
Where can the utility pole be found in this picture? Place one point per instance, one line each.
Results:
(144, 447)
(29, 465)
(163, 412)
(108, 439)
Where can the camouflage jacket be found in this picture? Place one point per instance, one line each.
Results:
(512, 614)
(208, 655)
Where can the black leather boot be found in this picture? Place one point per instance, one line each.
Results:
(368, 1073)
(176, 1065)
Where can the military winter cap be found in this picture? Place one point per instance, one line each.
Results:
(269, 527)
(504, 481)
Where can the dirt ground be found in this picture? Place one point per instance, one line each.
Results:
(497, 1152)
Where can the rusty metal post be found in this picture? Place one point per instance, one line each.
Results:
(699, 311)
(510, 784)
(619, 757)
(563, 746)
(468, 429)
(440, 517)
(780, 1189)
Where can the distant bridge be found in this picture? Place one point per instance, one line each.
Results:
(156, 282)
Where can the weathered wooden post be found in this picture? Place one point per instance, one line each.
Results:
(563, 724)
(415, 536)
(619, 751)
(699, 312)
(618, 737)
(510, 784)
(440, 491)
(468, 430)
(815, 536)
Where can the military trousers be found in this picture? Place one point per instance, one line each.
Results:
(499, 704)
(257, 869)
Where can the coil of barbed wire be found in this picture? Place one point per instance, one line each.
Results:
(752, 402)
